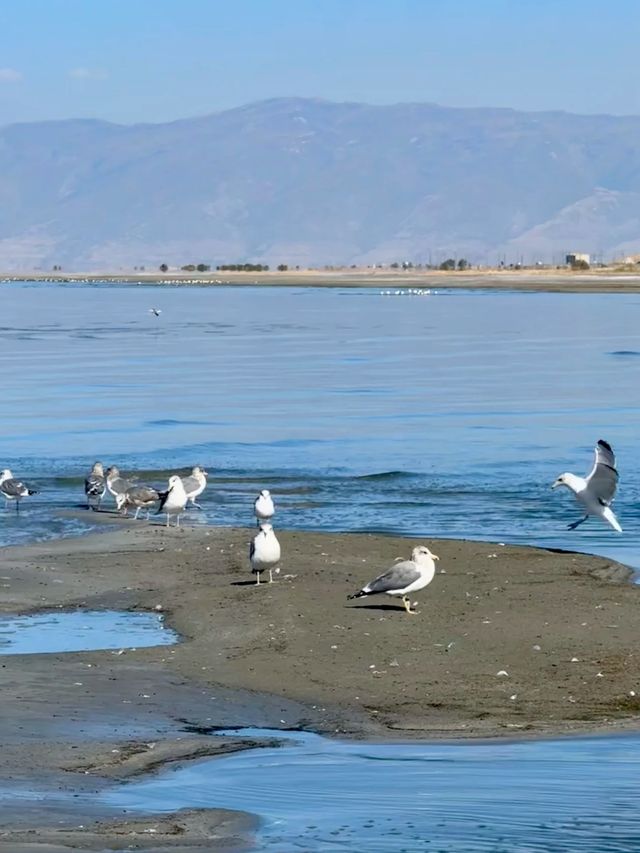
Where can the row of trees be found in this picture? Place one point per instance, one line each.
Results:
(226, 267)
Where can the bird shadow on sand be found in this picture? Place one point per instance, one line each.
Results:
(374, 607)
(249, 583)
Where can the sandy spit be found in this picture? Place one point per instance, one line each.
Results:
(509, 641)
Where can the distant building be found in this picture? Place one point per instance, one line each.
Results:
(575, 257)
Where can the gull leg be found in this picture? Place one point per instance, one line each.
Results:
(167, 519)
(135, 517)
(178, 520)
(257, 578)
(577, 523)
(17, 504)
(407, 605)
(270, 576)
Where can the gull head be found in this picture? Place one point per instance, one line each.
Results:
(5, 475)
(265, 493)
(198, 470)
(422, 553)
(97, 469)
(112, 472)
(563, 480)
(266, 528)
(173, 480)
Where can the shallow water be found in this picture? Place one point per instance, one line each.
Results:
(82, 630)
(446, 415)
(317, 794)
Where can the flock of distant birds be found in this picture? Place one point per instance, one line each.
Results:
(594, 493)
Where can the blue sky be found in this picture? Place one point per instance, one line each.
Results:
(157, 60)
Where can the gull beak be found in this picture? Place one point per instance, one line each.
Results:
(435, 557)
(556, 484)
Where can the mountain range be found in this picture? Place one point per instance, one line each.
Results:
(311, 182)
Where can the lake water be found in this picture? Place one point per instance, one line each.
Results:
(447, 415)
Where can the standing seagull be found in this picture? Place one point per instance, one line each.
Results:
(405, 577)
(596, 491)
(13, 490)
(116, 485)
(263, 506)
(195, 484)
(141, 497)
(95, 485)
(264, 552)
(174, 500)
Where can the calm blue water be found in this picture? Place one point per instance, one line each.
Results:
(446, 416)
(317, 794)
(82, 630)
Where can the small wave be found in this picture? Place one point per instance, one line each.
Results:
(388, 475)
(625, 353)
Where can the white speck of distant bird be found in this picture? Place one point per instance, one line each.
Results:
(195, 484)
(404, 578)
(174, 500)
(595, 492)
(264, 553)
(263, 506)
(95, 485)
(12, 489)
(155, 311)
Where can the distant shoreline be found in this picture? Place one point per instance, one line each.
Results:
(551, 281)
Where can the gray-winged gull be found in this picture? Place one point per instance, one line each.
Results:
(116, 485)
(95, 485)
(264, 553)
(404, 578)
(174, 500)
(12, 489)
(141, 497)
(195, 484)
(595, 493)
(263, 506)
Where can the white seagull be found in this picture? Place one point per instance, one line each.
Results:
(12, 489)
(174, 500)
(595, 492)
(155, 311)
(195, 484)
(263, 506)
(95, 485)
(405, 577)
(264, 553)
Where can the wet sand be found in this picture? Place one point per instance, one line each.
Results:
(561, 627)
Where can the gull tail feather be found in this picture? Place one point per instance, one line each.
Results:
(608, 515)
(359, 594)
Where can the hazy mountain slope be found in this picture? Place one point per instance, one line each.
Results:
(306, 181)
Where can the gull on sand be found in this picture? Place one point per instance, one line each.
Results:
(195, 484)
(596, 491)
(141, 497)
(404, 578)
(116, 485)
(174, 500)
(264, 553)
(12, 489)
(95, 485)
(263, 506)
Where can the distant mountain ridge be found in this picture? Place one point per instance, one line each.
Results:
(310, 182)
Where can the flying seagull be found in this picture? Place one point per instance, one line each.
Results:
(155, 311)
(263, 506)
(12, 489)
(174, 500)
(195, 484)
(264, 553)
(595, 493)
(405, 577)
(95, 485)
